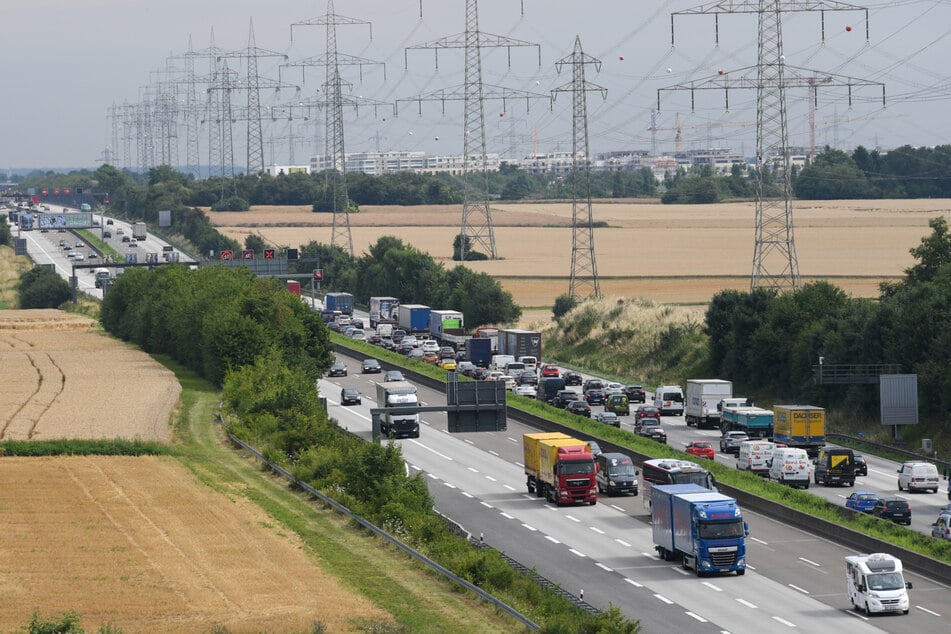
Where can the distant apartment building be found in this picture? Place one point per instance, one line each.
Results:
(378, 163)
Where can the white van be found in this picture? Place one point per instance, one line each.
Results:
(790, 466)
(499, 361)
(875, 583)
(669, 399)
(531, 363)
(754, 456)
(919, 476)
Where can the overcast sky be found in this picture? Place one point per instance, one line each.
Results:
(67, 62)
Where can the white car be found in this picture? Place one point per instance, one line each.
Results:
(510, 382)
(430, 345)
(358, 334)
(613, 388)
(79, 257)
(525, 390)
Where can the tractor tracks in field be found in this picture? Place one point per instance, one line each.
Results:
(22, 422)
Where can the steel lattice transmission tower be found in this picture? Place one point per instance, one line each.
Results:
(253, 85)
(335, 151)
(775, 263)
(584, 268)
(476, 214)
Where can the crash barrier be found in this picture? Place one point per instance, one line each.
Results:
(415, 554)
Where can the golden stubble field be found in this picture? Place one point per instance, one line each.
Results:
(668, 253)
(134, 542)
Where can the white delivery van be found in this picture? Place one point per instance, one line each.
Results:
(875, 583)
(918, 476)
(531, 363)
(669, 399)
(754, 456)
(499, 361)
(790, 466)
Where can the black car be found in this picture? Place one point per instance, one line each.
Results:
(465, 367)
(593, 384)
(580, 408)
(371, 366)
(635, 393)
(861, 466)
(571, 377)
(393, 375)
(650, 428)
(357, 322)
(526, 377)
(594, 396)
(563, 397)
(337, 369)
(894, 509)
(350, 396)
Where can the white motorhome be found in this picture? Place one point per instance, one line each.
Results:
(790, 466)
(875, 583)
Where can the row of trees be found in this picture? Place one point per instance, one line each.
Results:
(772, 342)
(214, 320)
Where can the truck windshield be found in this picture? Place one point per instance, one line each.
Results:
(886, 581)
(575, 468)
(720, 530)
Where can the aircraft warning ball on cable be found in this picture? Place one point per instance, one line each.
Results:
(436, 138)
(848, 27)
(501, 114)
(621, 58)
(720, 71)
(670, 70)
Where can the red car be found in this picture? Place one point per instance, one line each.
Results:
(700, 448)
(550, 370)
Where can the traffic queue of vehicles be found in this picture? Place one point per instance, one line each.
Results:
(776, 444)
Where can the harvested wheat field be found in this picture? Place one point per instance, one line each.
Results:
(668, 253)
(63, 379)
(137, 543)
(134, 542)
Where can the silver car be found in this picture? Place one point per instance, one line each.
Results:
(730, 442)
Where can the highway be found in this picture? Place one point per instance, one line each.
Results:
(796, 580)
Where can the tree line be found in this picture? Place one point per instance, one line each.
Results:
(772, 342)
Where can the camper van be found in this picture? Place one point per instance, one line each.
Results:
(875, 583)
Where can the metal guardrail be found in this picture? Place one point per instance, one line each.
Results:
(943, 465)
(814, 526)
(409, 550)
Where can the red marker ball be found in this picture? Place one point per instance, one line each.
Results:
(501, 114)
(848, 28)
(720, 71)
(621, 58)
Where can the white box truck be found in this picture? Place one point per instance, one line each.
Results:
(702, 401)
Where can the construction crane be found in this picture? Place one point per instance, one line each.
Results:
(678, 129)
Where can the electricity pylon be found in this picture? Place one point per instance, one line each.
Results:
(476, 214)
(334, 148)
(775, 263)
(253, 85)
(584, 268)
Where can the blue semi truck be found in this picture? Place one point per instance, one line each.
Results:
(702, 528)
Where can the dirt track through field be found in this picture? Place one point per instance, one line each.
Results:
(138, 543)
(63, 379)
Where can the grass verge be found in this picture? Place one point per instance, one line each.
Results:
(418, 601)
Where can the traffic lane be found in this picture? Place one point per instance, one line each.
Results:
(599, 533)
(577, 575)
